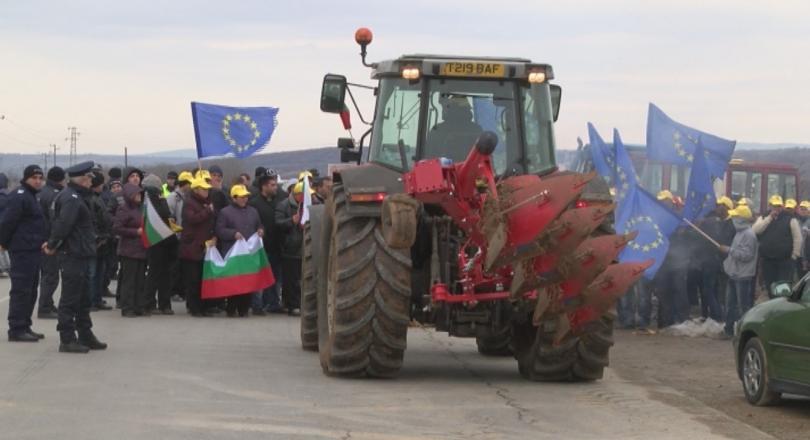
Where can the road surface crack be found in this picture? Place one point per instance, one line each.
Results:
(523, 414)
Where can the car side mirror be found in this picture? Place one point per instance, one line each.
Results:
(781, 289)
(333, 93)
(556, 98)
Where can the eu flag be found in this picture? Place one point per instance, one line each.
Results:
(241, 131)
(604, 161)
(700, 199)
(673, 142)
(654, 222)
(625, 175)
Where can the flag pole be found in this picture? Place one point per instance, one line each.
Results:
(701, 232)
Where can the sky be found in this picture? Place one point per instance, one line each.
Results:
(125, 73)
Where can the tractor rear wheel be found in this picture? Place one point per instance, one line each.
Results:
(367, 300)
(575, 358)
(309, 296)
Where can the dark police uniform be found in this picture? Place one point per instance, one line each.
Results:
(49, 278)
(73, 237)
(22, 232)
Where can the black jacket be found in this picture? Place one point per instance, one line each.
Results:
(22, 226)
(292, 236)
(776, 241)
(46, 198)
(72, 229)
(102, 221)
(267, 215)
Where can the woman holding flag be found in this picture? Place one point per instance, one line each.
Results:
(128, 226)
(237, 221)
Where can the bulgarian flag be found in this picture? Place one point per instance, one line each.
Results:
(154, 228)
(244, 270)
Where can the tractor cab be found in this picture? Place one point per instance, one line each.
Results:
(436, 106)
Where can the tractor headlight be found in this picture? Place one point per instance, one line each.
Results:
(537, 77)
(411, 73)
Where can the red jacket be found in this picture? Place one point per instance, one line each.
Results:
(198, 226)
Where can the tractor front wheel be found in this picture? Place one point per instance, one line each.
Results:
(367, 300)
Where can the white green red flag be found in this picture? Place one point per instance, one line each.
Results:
(244, 270)
(306, 203)
(154, 228)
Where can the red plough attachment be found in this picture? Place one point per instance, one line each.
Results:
(546, 257)
(526, 206)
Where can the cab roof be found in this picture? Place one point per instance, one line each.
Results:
(432, 65)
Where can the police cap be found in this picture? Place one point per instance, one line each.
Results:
(80, 169)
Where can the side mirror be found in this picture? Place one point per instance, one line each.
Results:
(781, 289)
(333, 92)
(556, 98)
(348, 153)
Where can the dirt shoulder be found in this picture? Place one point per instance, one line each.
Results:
(703, 369)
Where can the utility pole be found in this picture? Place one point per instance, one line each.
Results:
(125, 157)
(74, 136)
(54, 148)
(45, 159)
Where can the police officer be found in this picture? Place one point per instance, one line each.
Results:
(49, 276)
(73, 240)
(22, 232)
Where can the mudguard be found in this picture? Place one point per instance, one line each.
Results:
(368, 178)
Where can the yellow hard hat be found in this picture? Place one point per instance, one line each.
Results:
(741, 211)
(742, 202)
(726, 201)
(805, 204)
(303, 174)
(202, 174)
(239, 191)
(299, 188)
(790, 203)
(775, 200)
(664, 195)
(200, 183)
(185, 175)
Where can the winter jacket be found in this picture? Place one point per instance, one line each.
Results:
(102, 221)
(3, 193)
(198, 226)
(292, 235)
(267, 216)
(128, 219)
(679, 251)
(46, 198)
(72, 230)
(779, 238)
(175, 203)
(741, 262)
(705, 255)
(219, 198)
(22, 225)
(233, 219)
(276, 241)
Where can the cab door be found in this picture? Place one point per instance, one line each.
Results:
(789, 338)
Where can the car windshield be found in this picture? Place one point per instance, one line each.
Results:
(457, 112)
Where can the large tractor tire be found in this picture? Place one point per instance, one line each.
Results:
(575, 358)
(367, 299)
(309, 295)
(496, 344)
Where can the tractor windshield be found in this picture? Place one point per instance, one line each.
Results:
(455, 113)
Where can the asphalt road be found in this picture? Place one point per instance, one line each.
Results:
(177, 377)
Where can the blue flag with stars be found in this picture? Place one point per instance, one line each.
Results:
(241, 131)
(654, 223)
(625, 175)
(700, 198)
(601, 154)
(673, 142)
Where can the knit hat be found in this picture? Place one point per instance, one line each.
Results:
(259, 171)
(56, 174)
(114, 173)
(98, 179)
(32, 170)
(152, 180)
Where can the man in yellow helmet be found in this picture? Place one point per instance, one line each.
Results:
(288, 217)
(740, 265)
(780, 241)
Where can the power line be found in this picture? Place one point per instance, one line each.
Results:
(38, 133)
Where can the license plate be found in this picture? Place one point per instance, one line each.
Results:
(470, 68)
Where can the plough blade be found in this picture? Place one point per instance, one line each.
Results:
(593, 257)
(574, 226)
(528, 205)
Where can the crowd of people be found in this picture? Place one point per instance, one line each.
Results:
(86, 228)
(714, 269)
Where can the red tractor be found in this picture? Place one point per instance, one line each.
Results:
(456, 216)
